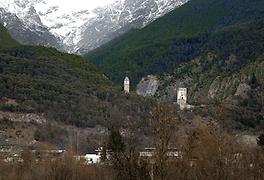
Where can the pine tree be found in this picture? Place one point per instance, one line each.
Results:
(115, 143)
(253, 79)
(104, 153)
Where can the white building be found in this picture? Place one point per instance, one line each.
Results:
(89, 159)
(151, 152)
(182, 98)
(126, 85)
(92, 158)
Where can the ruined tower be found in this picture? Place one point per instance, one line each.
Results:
(126, 85)
(182, 98)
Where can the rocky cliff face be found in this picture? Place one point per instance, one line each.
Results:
(208, 83)
(205, 87)
(235, 98)
(148, 86)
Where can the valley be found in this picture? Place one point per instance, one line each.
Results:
(164, 89)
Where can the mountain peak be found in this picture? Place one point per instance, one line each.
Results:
(83, 29)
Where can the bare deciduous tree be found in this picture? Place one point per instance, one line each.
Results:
(163, 124)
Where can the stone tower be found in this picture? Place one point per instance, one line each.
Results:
(126, 85)
(182, 98)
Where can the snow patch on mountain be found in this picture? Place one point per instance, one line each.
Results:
(115, 19)
(83, 29)
(62, 23)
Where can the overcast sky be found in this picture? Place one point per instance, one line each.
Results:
(81, 4)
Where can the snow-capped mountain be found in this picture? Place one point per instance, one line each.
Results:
(78, 30)
(117, 18)
(24, 24)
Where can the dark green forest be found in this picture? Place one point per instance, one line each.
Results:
(183, 34)
(65, 88)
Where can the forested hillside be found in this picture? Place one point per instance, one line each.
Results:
(229, 74)
(65, 88)
(175, 38)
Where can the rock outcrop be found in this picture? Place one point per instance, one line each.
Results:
(22, 117)
(148, 86)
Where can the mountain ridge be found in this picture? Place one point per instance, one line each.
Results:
(79, 31)
(182, 36)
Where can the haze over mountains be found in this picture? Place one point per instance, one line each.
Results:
(41, 22)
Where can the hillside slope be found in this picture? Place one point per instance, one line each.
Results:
(5, 39)
(229, 74)
(65, 88)
(175, 38)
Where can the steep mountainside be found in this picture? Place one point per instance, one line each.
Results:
(64, 88)
(120, 17)
(234, 98)
(80, 30)
(175, 38)
(30, 34)
(227, 79)
(5, 39)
